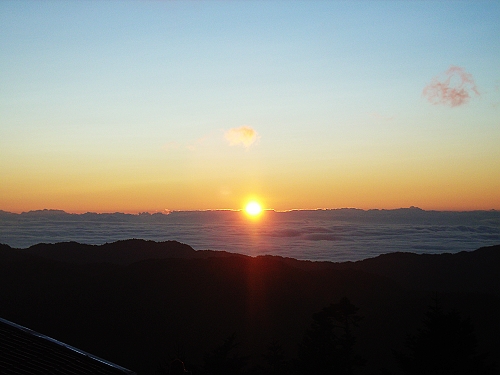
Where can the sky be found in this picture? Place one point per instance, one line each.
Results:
(136, 106)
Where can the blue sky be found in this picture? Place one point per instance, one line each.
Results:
(134, 98)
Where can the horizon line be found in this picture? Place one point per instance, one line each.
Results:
(168, 212)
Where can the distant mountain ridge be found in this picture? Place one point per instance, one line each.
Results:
(123, 252)
(345, 213)
(63, 215)
(464, 271)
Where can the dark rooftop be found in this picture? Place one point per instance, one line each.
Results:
(23, 351)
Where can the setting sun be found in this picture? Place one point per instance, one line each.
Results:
(253, 208)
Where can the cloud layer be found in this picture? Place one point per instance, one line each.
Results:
(244, 135)
(332, 235)
(453, 88)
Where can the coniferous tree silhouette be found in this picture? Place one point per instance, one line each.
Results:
(275, 362)
(328, 346)
(225, 359)
(445, 345)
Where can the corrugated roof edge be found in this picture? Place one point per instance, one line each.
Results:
(34, 333)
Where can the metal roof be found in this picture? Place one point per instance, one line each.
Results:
(24, 351)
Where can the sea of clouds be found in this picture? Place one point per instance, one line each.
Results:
(332, 235)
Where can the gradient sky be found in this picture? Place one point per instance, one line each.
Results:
(190, 105)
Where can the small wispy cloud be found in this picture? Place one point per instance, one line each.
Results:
(453, 88)
(244, 135)
(198, 142)
(381, 117)
(496, 104)
(171, 146)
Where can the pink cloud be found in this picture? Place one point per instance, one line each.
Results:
(453, 88)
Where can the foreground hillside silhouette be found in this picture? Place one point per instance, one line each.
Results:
(142, 304)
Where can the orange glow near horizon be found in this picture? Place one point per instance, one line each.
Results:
(279, 198)
(387, 188)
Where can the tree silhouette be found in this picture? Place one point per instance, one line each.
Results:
(446, 345)
(275, 362)
(225, 359)
(177, 352)
(328, 346)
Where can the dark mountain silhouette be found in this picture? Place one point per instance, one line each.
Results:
(137, 302)
(120, 252)
(461, 272)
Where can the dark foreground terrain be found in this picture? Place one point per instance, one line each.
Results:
(141, 304)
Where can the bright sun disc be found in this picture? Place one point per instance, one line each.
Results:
(253, 209)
